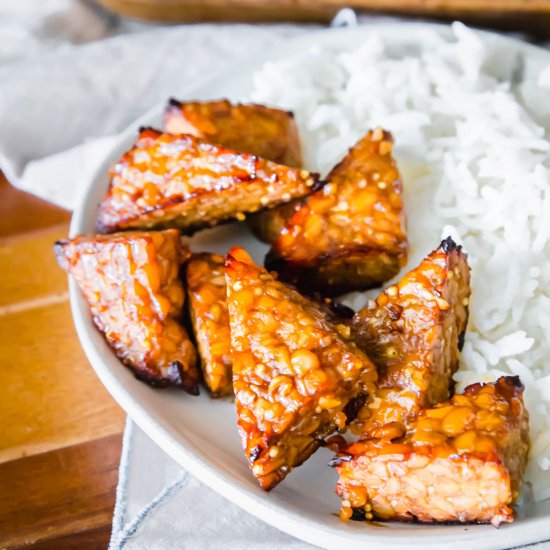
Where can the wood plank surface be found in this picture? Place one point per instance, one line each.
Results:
(44, 368)
(526, 15)
(21, 212)
(92, 539)
(66, 492)
(60, 431)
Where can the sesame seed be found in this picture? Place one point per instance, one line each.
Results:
(240, 216)
(273, 452)
(378, 134)
(381, 185)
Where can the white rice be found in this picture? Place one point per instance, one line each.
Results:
(474, 151)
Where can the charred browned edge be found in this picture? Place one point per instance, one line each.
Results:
(142, 129)
(172, 108)
(176, 378)
(514, 382)
(317, 440)
(173, 102)
(104, 227)
(339, 459)
(337, 310)
(448, 245)
(351, 410)
(302, 274)
(273, 256)
(359, 514)
(59, 252)
(188, 230)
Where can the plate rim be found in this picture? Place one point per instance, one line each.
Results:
(529, 531)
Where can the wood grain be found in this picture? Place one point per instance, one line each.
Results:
(528, 15)
(93, 538)
(28, 267)
(49, 496)
(50, 395)
(60, 431)
(21, 212)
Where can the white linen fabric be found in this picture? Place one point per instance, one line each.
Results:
(55, 105)
(165, 507)
(71, 78)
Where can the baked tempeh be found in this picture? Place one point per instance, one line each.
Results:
(461, 461)
(350, 235)
(132, 284)
(413, 332)
(205, 274)
(294, 374)
(180, 181)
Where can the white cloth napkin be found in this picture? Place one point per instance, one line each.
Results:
(165, 507)
(55, 105)
(72, 78)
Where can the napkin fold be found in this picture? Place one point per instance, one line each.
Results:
(61, 110)
(164, 507)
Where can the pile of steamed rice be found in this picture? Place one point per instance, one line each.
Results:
(472, 142)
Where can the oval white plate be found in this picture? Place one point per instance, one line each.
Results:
(201, 433)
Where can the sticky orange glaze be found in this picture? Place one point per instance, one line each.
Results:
(414, 332)
(180, 181)
(460, 461)
(206, 288)
(293, 372)
(255, 129)
(351, 234)
(136, 298)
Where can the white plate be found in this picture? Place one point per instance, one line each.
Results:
(201, 434)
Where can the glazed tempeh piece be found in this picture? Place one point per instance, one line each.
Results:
(267, 225)
(206, 289)
(413, 333)
(351, 234)
(461, 461)
(255, 129)
(263, 131)
(293, 372)
(180, 181)
(131, 281)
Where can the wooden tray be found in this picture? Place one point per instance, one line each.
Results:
(527, 15)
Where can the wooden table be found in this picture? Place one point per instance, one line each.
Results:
(60, 431)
